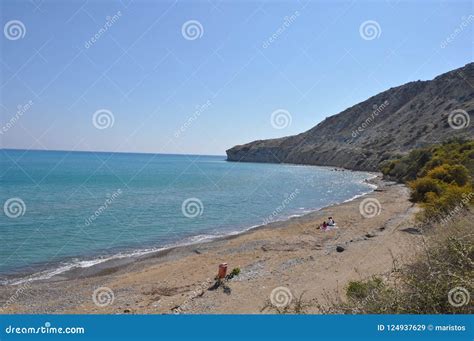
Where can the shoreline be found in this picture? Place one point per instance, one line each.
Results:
(292, 253)
(106, 262)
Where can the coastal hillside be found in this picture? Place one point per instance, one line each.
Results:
(392, 123)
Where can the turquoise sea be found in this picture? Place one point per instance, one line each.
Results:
(62, 210)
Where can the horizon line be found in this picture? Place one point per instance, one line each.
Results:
(109, 152)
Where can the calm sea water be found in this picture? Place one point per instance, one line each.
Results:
(67, 209)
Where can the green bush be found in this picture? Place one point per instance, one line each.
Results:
(424, 189)
(433, 163)
(438, 176)
(235, 272)
(420, 161)
(361, 289)
(450, 174)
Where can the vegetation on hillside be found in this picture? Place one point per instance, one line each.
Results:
(440, 178)
(419, 162)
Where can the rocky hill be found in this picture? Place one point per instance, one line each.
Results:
(393, 122)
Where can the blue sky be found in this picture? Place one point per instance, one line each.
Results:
(175, 92)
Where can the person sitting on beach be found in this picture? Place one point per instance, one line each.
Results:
(324, 225)
(331, 221)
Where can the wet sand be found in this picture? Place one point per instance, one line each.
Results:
(294, 254)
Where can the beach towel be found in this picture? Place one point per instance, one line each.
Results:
(329, 227)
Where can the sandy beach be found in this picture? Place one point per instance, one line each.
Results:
(294, 254)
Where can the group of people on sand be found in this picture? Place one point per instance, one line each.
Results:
(326, 225)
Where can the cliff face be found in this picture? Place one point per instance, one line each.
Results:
(393, 122)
